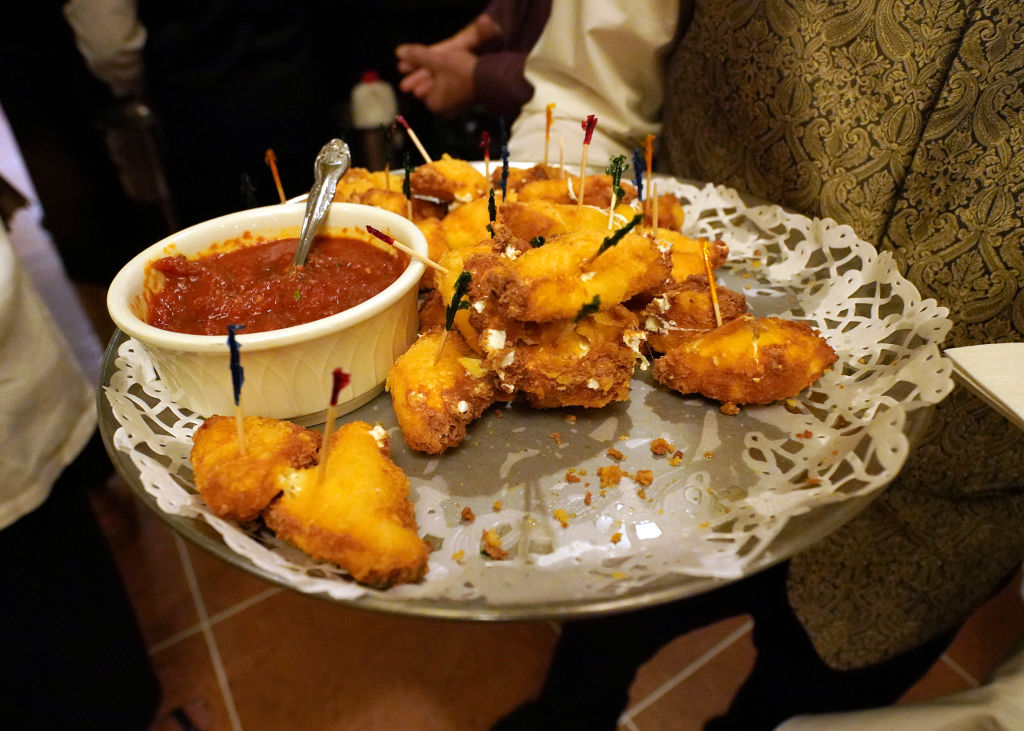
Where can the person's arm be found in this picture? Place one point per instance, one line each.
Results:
(604, 59)
(110, 38)
(441, 75)
(500, 85)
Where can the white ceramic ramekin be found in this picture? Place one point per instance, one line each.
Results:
(287, 371)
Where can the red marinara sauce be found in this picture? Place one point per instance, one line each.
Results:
(257, 286)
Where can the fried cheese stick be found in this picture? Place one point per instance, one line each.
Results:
(747, 361)
(359, 516)
(437, 395)
(236, 485)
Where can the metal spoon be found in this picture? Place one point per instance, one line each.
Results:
(331, 163)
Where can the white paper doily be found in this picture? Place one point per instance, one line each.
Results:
(741, 478)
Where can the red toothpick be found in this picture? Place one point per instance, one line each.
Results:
(408, 250)
(588, 132)
(339, 379)
(413, 137)
(711, 282)
(549, 111)
(485, 145)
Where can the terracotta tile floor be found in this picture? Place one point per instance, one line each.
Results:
(234, 652)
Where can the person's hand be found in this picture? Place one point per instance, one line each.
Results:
(441, 75)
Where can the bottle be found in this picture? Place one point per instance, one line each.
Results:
(373, 104)
(131, 133)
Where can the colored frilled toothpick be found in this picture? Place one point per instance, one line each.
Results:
(459, 302)
(390, 240)
(616, 167)
(407, 184)
(616, 237)
(504, 172)
(412, 136)
(588, 132)
(271, 160)
(549, 114)
(638, 173)
(339, 379)
(492, 212)
(237, 379)
(485, 145)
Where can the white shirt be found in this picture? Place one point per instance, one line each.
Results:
(603, 58)
(47, 412)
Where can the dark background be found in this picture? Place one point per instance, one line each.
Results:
(225, 81)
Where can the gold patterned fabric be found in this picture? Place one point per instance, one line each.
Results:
(904, 119)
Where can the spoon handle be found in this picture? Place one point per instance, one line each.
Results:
(331, 163)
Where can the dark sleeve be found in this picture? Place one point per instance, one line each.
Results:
(500, 85)
(521, 22)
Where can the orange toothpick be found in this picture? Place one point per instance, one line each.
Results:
(271, 159)
(549, 111)
(711, 282)
(561, 157)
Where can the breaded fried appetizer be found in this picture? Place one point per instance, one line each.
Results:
(383, 190)
(239, 485)
(437, 240)
(449, 179)
(437, 246)
(684, 308)
(518, 177)
(436, 393)
(390, 200)
(688, 254)
(466, 225)
(431, 312)
(597, 190)
(454, 261)
(529, 220)
(556, 280)
(555, 364)
(359, 516)
(540, 218)
(747, 361)
(423, 209)
(357, 181)
(670, 212)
